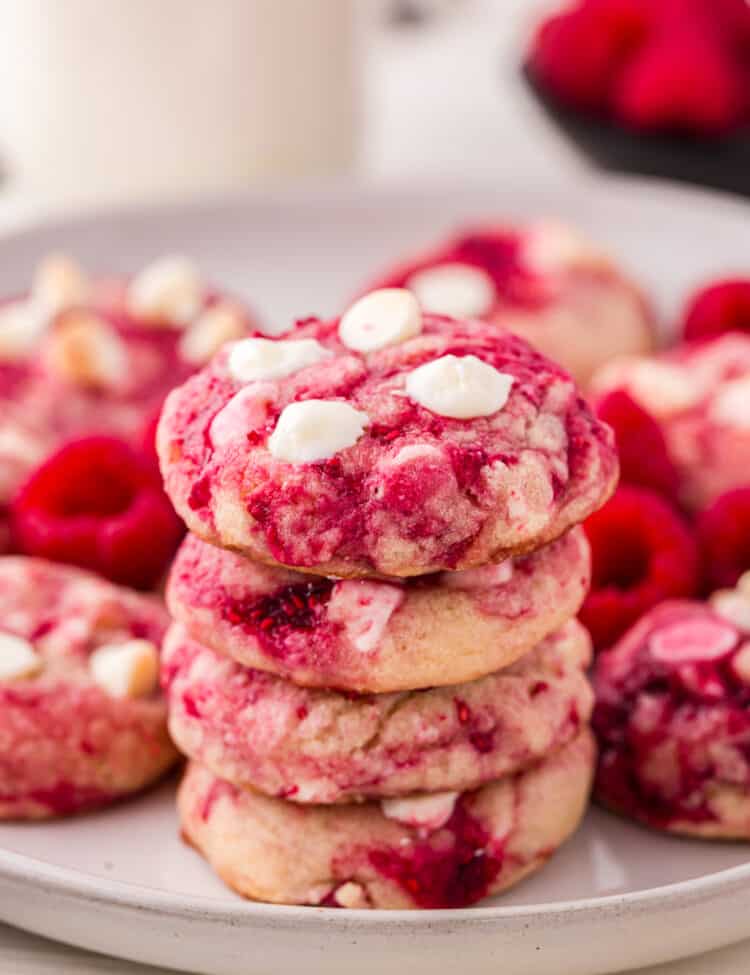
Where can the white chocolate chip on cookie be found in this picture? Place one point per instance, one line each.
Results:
(168, 292)
(382, 318)
(731, 404)
(460, 387)
(59, 283)
(316, 429)
(18, 659)
(428, 812)
(129, 669)
(86, 350)
(22, 324)
(454, 289)
(253, 359)
(223, 322)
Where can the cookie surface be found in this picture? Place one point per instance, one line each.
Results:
(79, 728)
(699, 393)
(545, 282)
(316, 746)
(337, 468)
(80, 356)
(446, 850)
(673, 719)
(373, 635)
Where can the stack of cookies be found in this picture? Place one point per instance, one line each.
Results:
(374, 667)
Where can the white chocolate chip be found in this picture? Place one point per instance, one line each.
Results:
(59, 283)
(734, 606)
(550, 246)
(662, 388)
(168, 292)
(223, 322)
(693, 640)
(18, 658)
(461, 387)
(485, 577)
(86, 350)
(384, 317)
(422, 812)
(364, 610)
(456, 290)
(316, 429)
(22, 324)
(731, 404)
(253, 359)
(351, 895)
(743, 583)
(129, 669)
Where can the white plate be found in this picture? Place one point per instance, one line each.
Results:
(617, 896)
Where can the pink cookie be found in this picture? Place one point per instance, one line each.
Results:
(448, 449)
(545, 282)
(377, 635)
(699, 393)
(82, 722)
(315, 746)
(81, 356)
(673, 719)
(433, 851)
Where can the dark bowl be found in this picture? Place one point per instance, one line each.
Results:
(722, 163)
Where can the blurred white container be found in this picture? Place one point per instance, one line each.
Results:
(104, 100)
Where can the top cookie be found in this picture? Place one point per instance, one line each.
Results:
(388, 442)
(544, 281)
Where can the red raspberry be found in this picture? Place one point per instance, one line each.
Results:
(683, 81)
(724, 537)
(644, 457)
(643, 553)
(99, 504)
(579, 54)
(718, 308)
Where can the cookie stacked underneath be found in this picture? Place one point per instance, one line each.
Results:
(373, 667)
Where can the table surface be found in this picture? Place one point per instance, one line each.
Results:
(451, 84)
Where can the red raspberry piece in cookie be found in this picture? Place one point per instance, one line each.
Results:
(579, 54)
(724, 536)
(718, 308)
(644, 458)
(683, 81)
(643, 553)
(99, 504)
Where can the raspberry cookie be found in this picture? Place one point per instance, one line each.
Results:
(81, 719)
(375, 635)
(545, 282)
(431, 851)
(424, 445)
(673, 718)
(315, 746)
(700, 395)
(81, 355)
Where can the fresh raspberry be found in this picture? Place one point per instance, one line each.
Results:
(643, 553)
(579, 54)
(718, 308)
(644, 457)
(724, 537)
(682, 80)
(99, 504)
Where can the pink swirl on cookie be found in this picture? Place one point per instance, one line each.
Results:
(406, 482)
(376, 635)
(261, 732)
(78, 655)
(673, 719)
